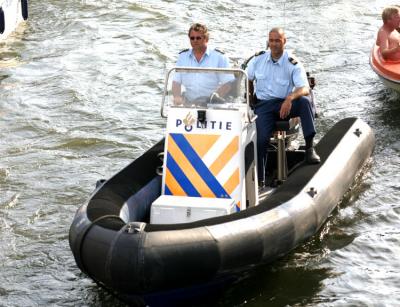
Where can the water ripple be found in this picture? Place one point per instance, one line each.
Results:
(80, 87)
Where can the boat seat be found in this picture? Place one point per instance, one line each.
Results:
(282, 125)
(281, 128)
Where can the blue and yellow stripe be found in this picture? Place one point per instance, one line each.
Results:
(187, 174)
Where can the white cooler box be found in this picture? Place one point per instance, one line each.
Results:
(169, 209)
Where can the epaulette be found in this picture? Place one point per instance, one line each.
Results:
(244, 65)
(220, 51)
(293, 60)
(184, 50)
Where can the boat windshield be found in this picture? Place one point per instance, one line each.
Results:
(215, 88)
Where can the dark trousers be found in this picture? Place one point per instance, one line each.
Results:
(268, 113)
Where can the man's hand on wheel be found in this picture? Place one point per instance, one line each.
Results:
(215, 98)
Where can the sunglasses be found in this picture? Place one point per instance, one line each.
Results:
(192, 38)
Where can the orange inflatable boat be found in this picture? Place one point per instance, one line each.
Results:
(388, 71)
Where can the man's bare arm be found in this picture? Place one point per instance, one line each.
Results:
(251, 93)
(176, 93)
(287, 104)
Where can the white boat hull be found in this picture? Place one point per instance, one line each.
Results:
(11, 16)
(391, 84)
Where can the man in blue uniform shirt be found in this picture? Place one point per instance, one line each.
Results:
(200, 55)
(281, 90)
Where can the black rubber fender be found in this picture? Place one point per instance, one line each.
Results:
(24, 9)
(2, 21)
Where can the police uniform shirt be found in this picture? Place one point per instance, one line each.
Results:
(202, 84)
(275, 79)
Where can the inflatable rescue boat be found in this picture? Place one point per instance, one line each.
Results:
(188, 212)
(12, 13)
(388, 71)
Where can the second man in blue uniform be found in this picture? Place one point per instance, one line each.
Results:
(280, 88)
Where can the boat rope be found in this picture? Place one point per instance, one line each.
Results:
(82, 236)
(129, 228)
(132, 227)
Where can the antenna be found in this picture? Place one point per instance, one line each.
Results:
(284, 14)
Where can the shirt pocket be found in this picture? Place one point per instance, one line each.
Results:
(282, 82)
(281, 87)
(260, 76)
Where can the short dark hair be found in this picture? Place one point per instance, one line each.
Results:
(278, 30)
(198, 27)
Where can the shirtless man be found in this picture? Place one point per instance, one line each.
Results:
(388, 37)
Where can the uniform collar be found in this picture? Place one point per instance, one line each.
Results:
(208, 51)
(281, 59)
